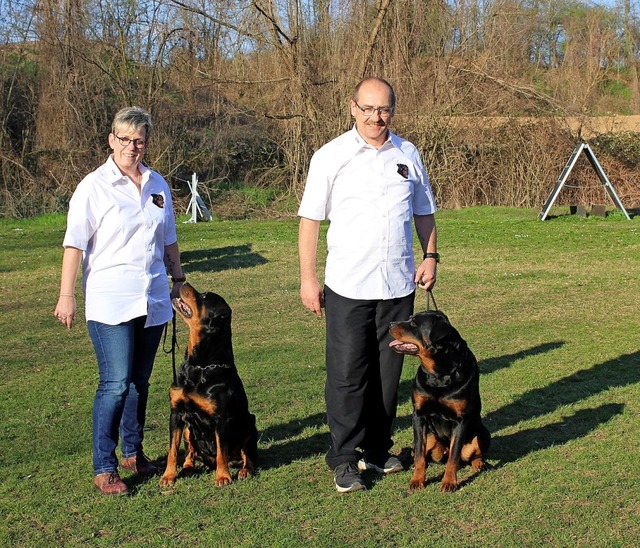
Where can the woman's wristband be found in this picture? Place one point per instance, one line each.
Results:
(178, 280)
(68, 295)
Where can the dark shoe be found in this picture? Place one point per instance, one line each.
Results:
(110, 483)
(139, 464)
(347, 478)
(384, 464)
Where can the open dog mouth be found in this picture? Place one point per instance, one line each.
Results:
(404, 347)
(181, 307)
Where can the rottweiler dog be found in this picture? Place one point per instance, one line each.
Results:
(446, 397)
(208, 400)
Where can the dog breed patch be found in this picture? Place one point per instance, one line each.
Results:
(158, 200)
(403, 170)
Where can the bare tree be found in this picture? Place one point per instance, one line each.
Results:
(244, 91)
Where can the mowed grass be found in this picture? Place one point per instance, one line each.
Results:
(551, 310)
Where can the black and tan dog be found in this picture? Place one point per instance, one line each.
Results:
(208, 400)
(446, 397)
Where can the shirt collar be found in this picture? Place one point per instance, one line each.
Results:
(115, 176)
(360, 143)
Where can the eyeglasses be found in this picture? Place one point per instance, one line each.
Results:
(384, 112)
(137, 143)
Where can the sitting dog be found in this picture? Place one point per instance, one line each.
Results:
(208, 401)
(446, 397)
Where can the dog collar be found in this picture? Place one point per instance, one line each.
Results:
(218, 365)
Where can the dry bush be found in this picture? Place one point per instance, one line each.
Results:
(243, 95)
(502, 162)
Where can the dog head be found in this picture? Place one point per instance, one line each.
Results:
(430, 336)
(208, 317)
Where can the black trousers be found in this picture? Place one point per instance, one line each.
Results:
(363, 374)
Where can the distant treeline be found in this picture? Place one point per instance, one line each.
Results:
(242, 92)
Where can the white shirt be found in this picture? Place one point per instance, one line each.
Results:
(123, 234)
(369, 196)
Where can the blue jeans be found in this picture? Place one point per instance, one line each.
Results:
(125, 355)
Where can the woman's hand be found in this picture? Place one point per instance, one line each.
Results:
(66, 310)
(175, 290)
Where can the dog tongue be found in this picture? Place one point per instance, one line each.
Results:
(182, 307)
(405, 348)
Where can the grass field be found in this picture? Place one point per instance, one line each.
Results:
(549, 308)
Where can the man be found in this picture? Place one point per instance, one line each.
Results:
(369, 184)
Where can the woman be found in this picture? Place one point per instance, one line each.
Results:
(122, 229)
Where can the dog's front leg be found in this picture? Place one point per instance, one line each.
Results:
(419, 453)
(189, 464)
(175, 437)
(223, 476)
(450, 479)
(249, 451)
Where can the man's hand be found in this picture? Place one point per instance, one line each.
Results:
(425, 277)
(312, 297)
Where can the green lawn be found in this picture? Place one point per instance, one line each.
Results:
(549, 308)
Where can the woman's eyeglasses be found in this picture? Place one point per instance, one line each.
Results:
(137, 143)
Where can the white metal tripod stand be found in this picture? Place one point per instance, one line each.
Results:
(196, 204)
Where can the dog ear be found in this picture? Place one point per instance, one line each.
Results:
(442, 330)
(216, 321)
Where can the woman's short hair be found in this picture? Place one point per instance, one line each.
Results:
(134, 117)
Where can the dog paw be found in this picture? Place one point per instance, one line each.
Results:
(479, 465)
(448, 486)
(244, 473)
(224, 480)
(416, 485)
(167, 481)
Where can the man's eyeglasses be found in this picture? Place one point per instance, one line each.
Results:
(137, 143)
(384, 112)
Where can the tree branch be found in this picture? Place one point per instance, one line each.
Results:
(373, 35)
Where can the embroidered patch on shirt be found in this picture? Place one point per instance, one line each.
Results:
(158, 199)
(403, 170)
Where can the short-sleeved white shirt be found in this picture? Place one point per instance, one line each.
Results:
(369, 196)
(123, 234)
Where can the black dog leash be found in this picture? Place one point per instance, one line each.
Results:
(430, 297)
(174, 344)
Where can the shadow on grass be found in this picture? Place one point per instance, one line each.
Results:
(622, 371)
(487, 366)
(287, 445)
(511, 447)
(221, 258)
(619, 372)
(284, 450)
(492, 365)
